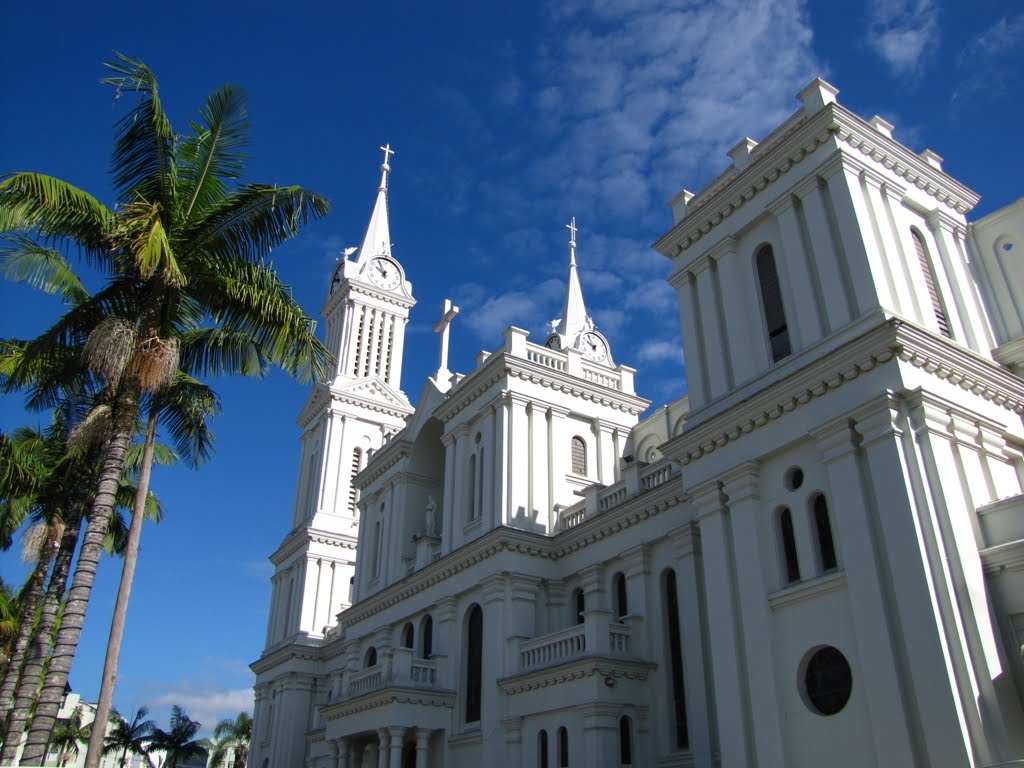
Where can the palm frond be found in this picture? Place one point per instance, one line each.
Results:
(254, 219)
(222, 352)
(212, 154)
(144, 165)
(185, 408)
(57, 211)
(26, 261)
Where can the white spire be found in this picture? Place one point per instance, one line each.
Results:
(378, 234)
(574, 313)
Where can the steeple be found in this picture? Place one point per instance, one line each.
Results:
(574, 312)
(575, 329)
(377, 241)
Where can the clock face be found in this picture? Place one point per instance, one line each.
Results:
(553, 342)
(384, 273)
(339, 275)
(594, 347)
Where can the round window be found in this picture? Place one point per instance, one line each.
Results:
(827, 681)
(793, 478)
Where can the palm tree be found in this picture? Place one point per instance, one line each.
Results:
(130, 737)
(190, 290)
(179, 743)
(232, 736)
(68, 733)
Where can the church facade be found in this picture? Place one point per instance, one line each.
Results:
(814, 558)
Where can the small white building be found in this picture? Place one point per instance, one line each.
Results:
(815, 558)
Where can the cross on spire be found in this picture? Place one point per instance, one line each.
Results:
(388, 152)
(571, 226)
(448, 313)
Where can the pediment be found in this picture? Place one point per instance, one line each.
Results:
(372, 390)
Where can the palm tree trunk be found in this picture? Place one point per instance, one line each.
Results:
(33, 594)
(85, 574)
(36, 661)
(124, 591)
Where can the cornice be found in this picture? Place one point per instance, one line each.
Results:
(303, 536)
(1003, 557)
(501, 365)
(504, 539)
(893, 338)
(384, 459)
(354, 286)
(778, 156)
(607, 667)
(279, 654)
(385, 697)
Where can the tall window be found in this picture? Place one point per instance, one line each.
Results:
(471, 489)
(377, 544)
(563, 747)
(542, 749)
(675, 649)
(474, 663)
(625, 741)
(771, 303)
(579, 456)
(427, 631)
(931, 283)
(621, 598)
(408, 636)
(788, 540)
(371, 657)
(823, 534)
(580, 604)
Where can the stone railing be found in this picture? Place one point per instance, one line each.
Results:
(596, 636)
(368, 680)
(542, 356)
(398, 667)
(637, 478)
(602, 376)
(423, 673)
(553, 649)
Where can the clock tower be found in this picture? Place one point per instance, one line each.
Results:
(575, 329)
(344, 420)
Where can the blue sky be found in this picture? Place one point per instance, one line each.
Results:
(508, 119)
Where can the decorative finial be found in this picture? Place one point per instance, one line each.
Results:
(388, 152)
(571, 226)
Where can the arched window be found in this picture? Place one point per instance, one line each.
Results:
(542, 749)
(788, 540)
(563, 747)
(353, 492)
(823, 534)
(408, 636)
(771, 304)
(675, 653)
(931, 283)
(471, 489)
(621, 598)
(579, 456)
(474, 663)
(579, 603)
(371, 658)
(625, 741)
(427, 633)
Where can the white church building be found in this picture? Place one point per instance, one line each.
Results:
(815, 558)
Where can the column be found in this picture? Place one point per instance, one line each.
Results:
(686, 549)
(741, 487)
(825, 256)
(898, 297)
(804, 318)
(340, 747)
(596, 615)
(448, 503)
(723, 631)
(692, 349)
(397, 352)
(539, 504)
(518, 450)
(384, 743)
(849, 209)
(744, 355)
(513, 729)
(907, 664)
(488, 470)
(715, 344)
(600, 735)
(501, 461)
(397, 734)
(949, 237)
(493, 667)
(422, 747)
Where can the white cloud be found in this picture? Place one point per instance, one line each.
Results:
(903, 32)
(207, 706)
(657, 351)
(982, 64)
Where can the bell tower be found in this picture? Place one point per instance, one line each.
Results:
(343, 422)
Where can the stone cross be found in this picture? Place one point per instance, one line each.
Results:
(571, 226)
(388, 152)
(448, 313)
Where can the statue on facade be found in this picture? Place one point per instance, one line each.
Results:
(431, 515)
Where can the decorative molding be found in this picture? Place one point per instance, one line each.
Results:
(302, 537)
(387, 696)
(807, 589)
(578, 669)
